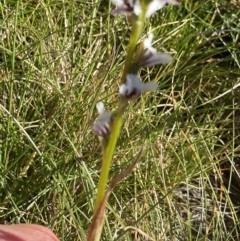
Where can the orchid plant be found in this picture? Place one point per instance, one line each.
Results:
(107, 126)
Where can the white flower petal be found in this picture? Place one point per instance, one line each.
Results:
(104, 118)
(153, 59)
(131, 2)
(147, 43)
(173, 2)
(123, 89)
(100, 108)
(133, 82)
(154, 6)
(118, 3)
(137, 8)
(150, 86)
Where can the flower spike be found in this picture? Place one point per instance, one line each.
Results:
(134, 88)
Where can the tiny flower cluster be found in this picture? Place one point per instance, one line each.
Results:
(129, 7)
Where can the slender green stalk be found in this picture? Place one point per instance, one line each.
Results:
(107, 159)
(108, 155)
(137, 30)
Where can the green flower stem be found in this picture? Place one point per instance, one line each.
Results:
(137, 30)
(116, 128)
(107, 159)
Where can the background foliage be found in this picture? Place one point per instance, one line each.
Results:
(58, 59)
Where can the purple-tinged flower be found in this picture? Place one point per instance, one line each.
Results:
(155, 5)
(101, 126)
(133, 88)
(151, 57)
(129, 7)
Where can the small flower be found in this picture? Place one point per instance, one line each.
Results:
(129, 7)
(133, 88)
(101, 126)
(151, 56)
(155, 5)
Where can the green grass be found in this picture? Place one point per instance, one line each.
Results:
(58, 59)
